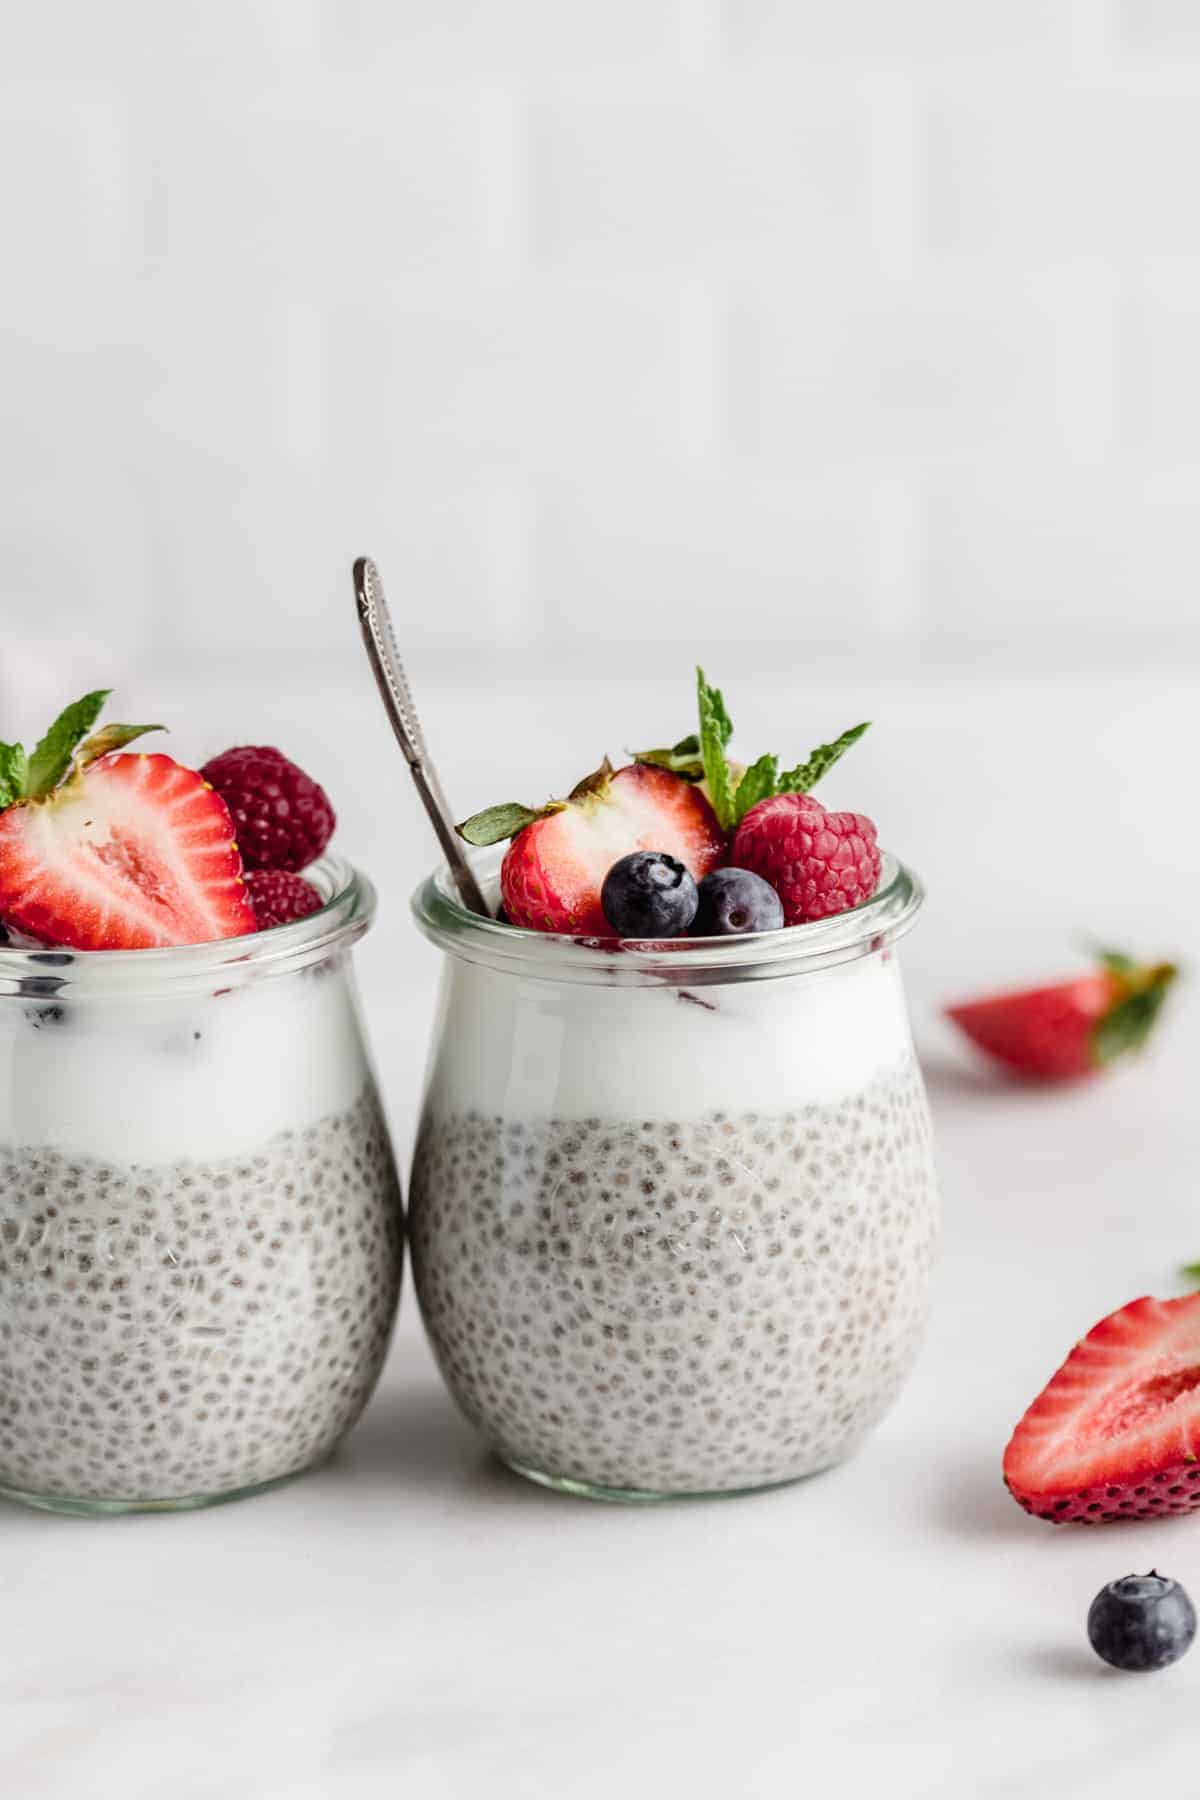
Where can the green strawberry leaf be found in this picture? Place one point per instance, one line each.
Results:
(14, 770)
(1128, 1024)
(716, 729)
(1191, 1272)
(758, 783)
(51, 756)
(1117, 962)
(495, 823)
(682, 758)
(110, 738)
(805, 776)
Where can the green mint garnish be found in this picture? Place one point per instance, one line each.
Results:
(805, 776)
(62, 750)
(759, 782)
(716, 729)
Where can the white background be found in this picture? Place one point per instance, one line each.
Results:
(852, 349)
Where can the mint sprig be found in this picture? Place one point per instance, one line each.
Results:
(62, 750)
(805, 776)
(716, 729)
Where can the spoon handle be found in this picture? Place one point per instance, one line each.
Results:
(380, 640)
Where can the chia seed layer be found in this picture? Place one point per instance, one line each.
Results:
(173, 1330)
(678, 1307)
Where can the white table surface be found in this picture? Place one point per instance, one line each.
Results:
(412, 1619)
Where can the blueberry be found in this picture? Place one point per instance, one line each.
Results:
(648, 895)
(1141, 1622)
(733, 901)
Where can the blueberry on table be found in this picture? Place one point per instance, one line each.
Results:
(1141, 1622)
(648, 894)
(735, 901)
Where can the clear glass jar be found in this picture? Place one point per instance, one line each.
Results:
(673, 1209)
(200, 1223)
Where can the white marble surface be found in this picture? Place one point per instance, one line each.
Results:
(414, 1620)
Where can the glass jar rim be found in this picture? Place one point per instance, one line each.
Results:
(347, 909)
(553, 956)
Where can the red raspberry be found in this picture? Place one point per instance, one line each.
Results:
(281, 817)
(818, 862)
(278, 896)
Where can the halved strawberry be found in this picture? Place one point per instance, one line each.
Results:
(1116, 1432)
(132, 851)
(1071, 1028)
(555, 866)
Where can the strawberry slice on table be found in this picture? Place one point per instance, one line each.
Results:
(1071, 1028)
(554, 868)
(1116, 1432)
(104, 851)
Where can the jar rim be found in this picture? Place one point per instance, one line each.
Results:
(347, 909)
(553, 956)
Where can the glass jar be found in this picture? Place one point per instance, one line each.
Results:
(673, 1209)
(200, 1223)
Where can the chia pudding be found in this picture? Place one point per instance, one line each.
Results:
(200, 1223)
(669, 1238)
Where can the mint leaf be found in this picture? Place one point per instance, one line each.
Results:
(758, 783)
(716, 729)
(806, 775)
(495, 823)
(14, 768)
(51, 757)
(112, 737)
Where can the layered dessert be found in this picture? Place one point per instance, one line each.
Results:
(673, 1203)
(200, 1226)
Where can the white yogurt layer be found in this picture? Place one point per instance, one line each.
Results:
(152, 1081)
(538, 1050)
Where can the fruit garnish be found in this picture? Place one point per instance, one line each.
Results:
(819, 863)
(733, 902)
(103, 851)
(282, 817)
(279, 896)
(1141, 1622)
(1070, 1028)
(555, 867)
(732, 788)
(1115, 1433)
(648, 894)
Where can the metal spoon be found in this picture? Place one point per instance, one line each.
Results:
(380, 640)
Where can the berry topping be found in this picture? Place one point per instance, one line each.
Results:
(648, 894)
(734, 901)
(282, 817)
(102, 851)
(1113, 1433)
(818, 862)
(1141, 1622)
(555, 866)
(278, 896)
(1074, 1027)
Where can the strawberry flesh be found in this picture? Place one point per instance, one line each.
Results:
(135, 852)
(1115, 1434)
(554, 869)
(1045, 1031)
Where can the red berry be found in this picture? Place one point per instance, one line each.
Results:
(282, 817)
(554, 869)
(1072, 1028)
(818, 862)
(133, 852)
(1113, 1434)
(278, 896)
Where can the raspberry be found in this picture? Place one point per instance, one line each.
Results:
(278, 896)
(282, 818)
(818, 862)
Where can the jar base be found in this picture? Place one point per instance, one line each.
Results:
(592, 1490)
(78, 1507)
